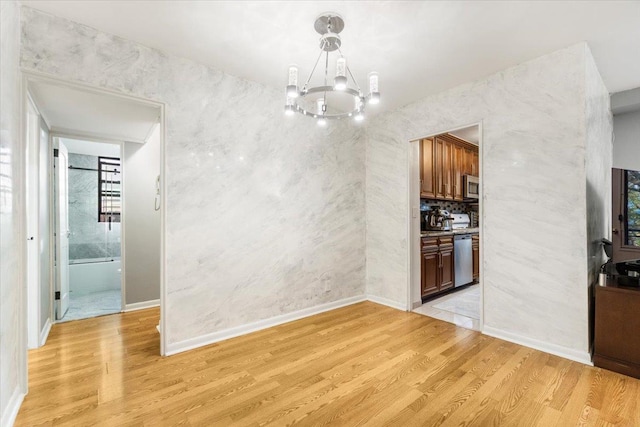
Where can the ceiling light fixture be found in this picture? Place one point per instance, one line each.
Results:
(329, 26)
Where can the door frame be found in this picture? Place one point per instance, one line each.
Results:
(413, 214)
(92, 138)
(31, 76)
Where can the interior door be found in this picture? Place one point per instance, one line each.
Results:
(62, 231)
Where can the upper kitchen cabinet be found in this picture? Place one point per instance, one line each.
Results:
(427, 172)
(442, 166)
(445, 160)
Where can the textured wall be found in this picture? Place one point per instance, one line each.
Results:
(12, 359)
(89, 238)
(599, 159)
(265, 215)
(534, 201)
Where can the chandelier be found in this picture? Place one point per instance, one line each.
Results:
(313, 101)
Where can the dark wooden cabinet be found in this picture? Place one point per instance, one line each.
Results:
(616, 340)
(429, 282)
(475, 250)
(427, 178)
(445, 160)
(457, 171)
(447, 268)
(437, 268)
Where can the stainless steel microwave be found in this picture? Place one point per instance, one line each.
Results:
(471, 187)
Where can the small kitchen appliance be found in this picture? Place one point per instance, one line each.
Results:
(438, 219)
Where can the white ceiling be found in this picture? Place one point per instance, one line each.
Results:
(418, 47)
(91, 148)
(471, 134)
(76, 112)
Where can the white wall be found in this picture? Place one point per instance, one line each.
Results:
(626, 146)
(12, 326)
(141, 222)
(265, 215)
(534, 175)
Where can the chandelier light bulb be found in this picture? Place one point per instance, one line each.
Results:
(321, 107)
(359, 116)
(292, 83)
(289, 108)
(357, 102)
(340, 81)
(374, 90)
(322, 122)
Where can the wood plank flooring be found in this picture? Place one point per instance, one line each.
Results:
(365, 364)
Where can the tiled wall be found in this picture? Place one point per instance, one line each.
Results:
(451, 206)
(454, 208)
(89, 238)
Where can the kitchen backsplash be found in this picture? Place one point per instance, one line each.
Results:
(453, 207)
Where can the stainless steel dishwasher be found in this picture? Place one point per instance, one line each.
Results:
(462, 259)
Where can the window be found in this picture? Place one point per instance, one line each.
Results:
(625, 191)
(632, 208)
(109, 187)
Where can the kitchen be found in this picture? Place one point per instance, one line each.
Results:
(449, 227)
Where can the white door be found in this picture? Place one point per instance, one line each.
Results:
(62, 231)
(33, 259)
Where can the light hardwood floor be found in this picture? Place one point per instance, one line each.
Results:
(365, 364)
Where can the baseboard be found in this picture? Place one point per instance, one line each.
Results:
(44, 334)
(558, 350)
(189, 344)
(387, 302)
(11, 411)
(141, 305)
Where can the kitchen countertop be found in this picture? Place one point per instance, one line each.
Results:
(436, 233)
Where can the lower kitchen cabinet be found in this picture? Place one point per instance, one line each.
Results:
(429, 282)
(437, 265)
(475, 250)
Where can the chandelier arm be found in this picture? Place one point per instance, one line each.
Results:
(312, 71)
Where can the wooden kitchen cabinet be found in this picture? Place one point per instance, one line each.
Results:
(427, 178)
(447, 268)
(437, 268)
(457, 171)
(475, 163)
(475, 251)
(445, 160)
(429, 266)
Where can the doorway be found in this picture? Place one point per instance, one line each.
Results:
(88, 215)
(106, 233)
(445, 226)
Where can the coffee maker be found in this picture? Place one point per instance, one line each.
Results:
(438, 219)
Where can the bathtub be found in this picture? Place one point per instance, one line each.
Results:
(87, 276)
